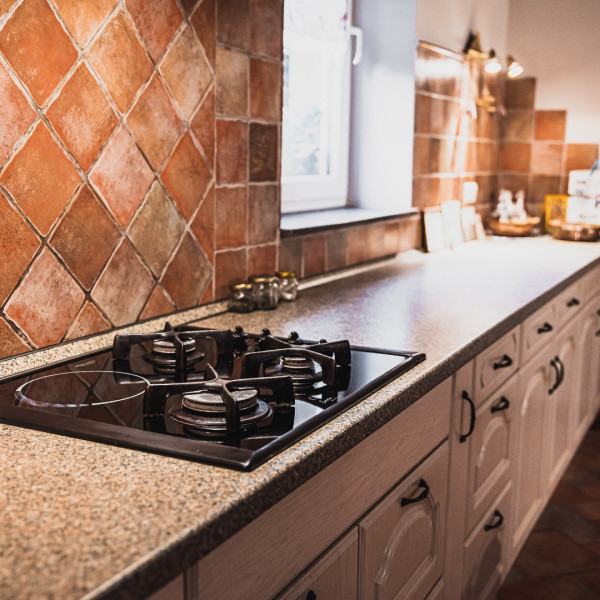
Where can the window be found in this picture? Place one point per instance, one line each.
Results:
(316, 104)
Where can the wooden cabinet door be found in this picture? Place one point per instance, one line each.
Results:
(527, 449)
(334, 576)
(488, 458)
(485, 552)
(401, 538)
(562, 396)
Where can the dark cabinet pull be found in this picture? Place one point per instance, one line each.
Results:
(497, 521)
(504, 362)
(555, 364)
(561, 368)
(598, 333)
(311, 595)
(598, 312)
(545, 328)
(464, 436)
(502, 404)
(573, 302)
(421, 496)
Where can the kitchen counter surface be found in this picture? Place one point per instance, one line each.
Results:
(81, 519)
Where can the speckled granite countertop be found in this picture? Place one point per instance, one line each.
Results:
(81, 519)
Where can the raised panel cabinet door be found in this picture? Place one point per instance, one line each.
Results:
(562, 394)
(527, 449)
(401, 538)
(485, 553)
(488, 467)
(334, 576)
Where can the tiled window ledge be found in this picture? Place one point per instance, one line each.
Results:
(326, 220)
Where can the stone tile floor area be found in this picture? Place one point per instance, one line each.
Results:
(561, 558)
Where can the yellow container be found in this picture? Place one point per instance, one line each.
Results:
(555, 208)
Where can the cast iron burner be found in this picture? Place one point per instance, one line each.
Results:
(175, 350)
(220, 407)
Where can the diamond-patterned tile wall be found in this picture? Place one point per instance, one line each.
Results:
(108, 152)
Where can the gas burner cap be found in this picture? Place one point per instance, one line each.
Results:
(205, 401)
(167, 347)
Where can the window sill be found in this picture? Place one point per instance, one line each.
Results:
(325, 220)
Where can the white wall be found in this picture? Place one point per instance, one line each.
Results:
(558, 42)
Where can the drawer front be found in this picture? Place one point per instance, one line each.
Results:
(496, 364)
(401, 538)
(569, 302)
(537, 330)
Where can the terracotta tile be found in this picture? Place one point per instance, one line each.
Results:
(539, 186)
(6, 5)
(88, 321)
(186, 71)
(231, 214)
(231, 75)
(186, 176)
(188, 274)
(313, 250)
(263, 214)
(376, 236)
(208, 295)
(337, 249)
(432, 191)
(17, 241)
(46, 301)
(203, 225)
(156, 229)
(120, 60)
(290, 255)
(204, 23)
(158, 304)
(10, 343)
(122, 176)
(266, 81)
(518, 125)
(155, 123)
(580, 156)
(550, 124)
(546, 158)
(358, 245)
(85, 237)
(262, 259)
(37, 47)
(156, 21)
(512, 182)
(520, 93)
(266, 28)
(82, 100)
(124, 286)
(15, 114)
(233, 23)
(232, 151)
(263, 151)
(41, 179)
(515, 156)
(188, 5)
(203, 126)
(84, 17)
(444, 117)
(230, 266)
(437, 73)
(410, 233)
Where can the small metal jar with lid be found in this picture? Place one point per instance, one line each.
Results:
(266, 291)
(241, 297)
(288, 285)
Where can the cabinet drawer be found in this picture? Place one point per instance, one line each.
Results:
(537, 330)
(569, 302)
(486, 551)
(496, 364)
(401, 538)
(333, 576)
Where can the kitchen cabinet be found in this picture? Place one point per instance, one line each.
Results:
(401, 538)
(334, 576)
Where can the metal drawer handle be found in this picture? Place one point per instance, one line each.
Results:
(560, 373)
(545, 328)
(497, 521)
(503, 404)
(505, 361)
(421, 496)
(573, 302)
(311, 595)
(464, 436)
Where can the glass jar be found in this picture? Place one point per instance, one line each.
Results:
(266, 291)
(241, 297)
(288, 285)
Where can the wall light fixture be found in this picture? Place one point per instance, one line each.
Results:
(491, 62)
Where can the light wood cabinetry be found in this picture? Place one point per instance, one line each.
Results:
(401, 538)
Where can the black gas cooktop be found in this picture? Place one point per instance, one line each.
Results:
(225, 397)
